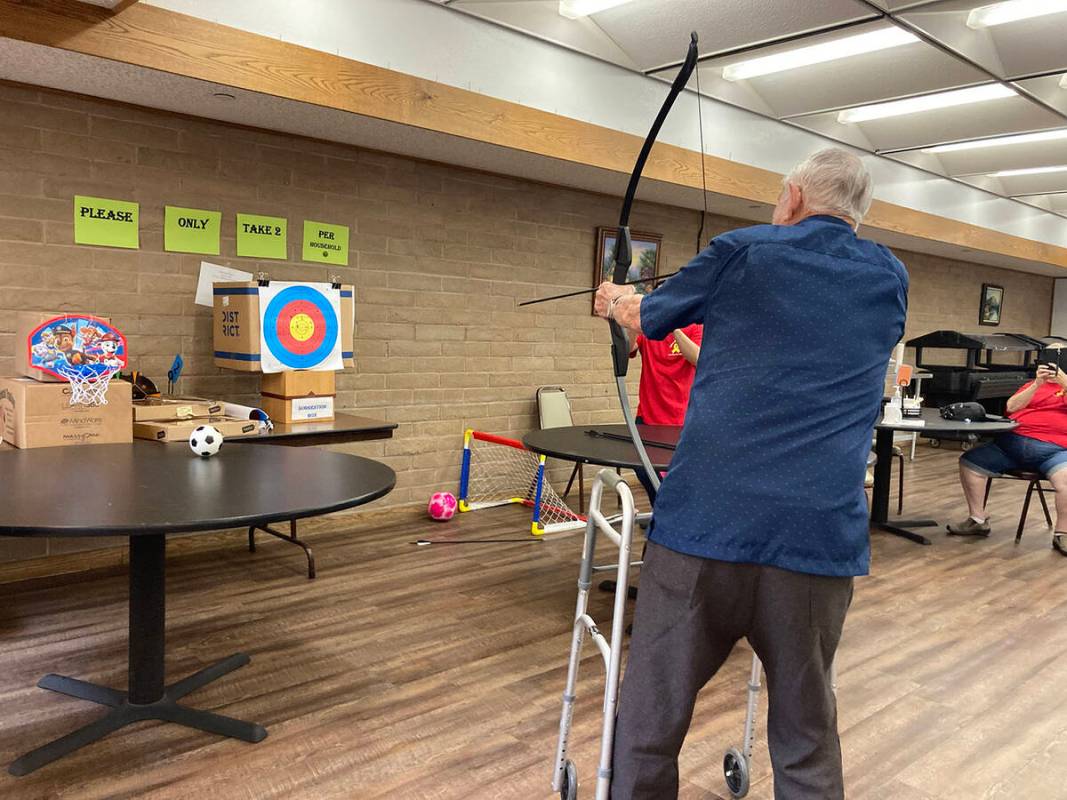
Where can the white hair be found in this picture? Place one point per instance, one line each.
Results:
(834, 181)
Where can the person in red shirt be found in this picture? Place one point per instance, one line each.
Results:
(667, 370)
(1039, 443)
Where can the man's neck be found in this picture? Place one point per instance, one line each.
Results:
(809, 214)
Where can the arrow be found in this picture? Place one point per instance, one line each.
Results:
(577, 292)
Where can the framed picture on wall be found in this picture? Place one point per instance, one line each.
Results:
(991, 305)
(645, 262)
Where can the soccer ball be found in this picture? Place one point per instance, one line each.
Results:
(442, 506)
(205, 441)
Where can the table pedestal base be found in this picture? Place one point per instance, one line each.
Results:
(899, 527)
(125, 713)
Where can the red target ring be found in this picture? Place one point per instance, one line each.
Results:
(301, 327)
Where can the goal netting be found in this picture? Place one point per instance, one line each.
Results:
(497, 471)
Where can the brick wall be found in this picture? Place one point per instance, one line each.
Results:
(439, 256)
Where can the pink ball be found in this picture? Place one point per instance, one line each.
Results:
(442, 506)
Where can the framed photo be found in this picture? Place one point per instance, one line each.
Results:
(991, 305)
(645, 262)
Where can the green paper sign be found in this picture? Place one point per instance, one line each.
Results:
(111, 223)
(326, 243)
(261, 237)
(191, 230)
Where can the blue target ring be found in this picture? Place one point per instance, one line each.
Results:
(282, 346)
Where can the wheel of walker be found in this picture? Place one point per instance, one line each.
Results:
(568, 789)
(735, 770)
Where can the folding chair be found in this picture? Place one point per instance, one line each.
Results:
(1033, 479)
(554, 411)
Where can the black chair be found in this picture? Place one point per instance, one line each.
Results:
(1033, 480)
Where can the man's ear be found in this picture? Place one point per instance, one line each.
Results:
(796, 200)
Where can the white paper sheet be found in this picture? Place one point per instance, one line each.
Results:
(215, 273)
(318, 323)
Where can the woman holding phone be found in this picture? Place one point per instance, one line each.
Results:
(1039, 443)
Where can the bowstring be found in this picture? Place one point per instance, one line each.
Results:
(703, 164)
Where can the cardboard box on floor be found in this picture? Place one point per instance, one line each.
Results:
(236, 325)
(37, 414)
(179, 430)
(299, 395)
(25, 323)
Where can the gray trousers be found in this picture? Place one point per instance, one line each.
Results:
(690, 613)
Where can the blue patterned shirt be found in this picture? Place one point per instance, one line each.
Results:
(799, 322)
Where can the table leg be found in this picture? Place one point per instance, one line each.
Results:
(290, 537)
(148, 697)
(883, 470)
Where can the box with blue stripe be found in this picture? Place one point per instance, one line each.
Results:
(236, 325)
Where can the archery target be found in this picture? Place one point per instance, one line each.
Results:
(300, 327)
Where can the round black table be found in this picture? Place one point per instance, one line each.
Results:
(933, 425)
(605, 445)
(145, 491)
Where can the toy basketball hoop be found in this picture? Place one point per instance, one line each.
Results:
(84, 350)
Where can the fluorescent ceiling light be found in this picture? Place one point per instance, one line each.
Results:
(1063, 82)
(574, 9)
(1000, 141)
(1013, 173)
(929, 102)
(818, 53)
(1013, 11)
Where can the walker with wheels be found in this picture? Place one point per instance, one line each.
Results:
(736, 761)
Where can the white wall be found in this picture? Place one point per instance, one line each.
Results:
(430, 41)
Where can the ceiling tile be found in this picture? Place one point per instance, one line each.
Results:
(898, 5)
(1051, 89)
(992, 159)
(542, 18)
(1047, 183)
(1056, 203)
(974, 121)
(1024, 47)
(871, 77)
(654, 32)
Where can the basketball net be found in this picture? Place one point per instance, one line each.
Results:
(87, 388)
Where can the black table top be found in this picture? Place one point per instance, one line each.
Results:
(935, 424)
(342, 428)
(576, 444)
(143, 488)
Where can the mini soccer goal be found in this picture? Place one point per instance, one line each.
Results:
(497, 471)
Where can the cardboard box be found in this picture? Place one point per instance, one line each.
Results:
(348, 324)
(299, 395)
(179, 430)
(236, 332)
(25, 323)
(158, 409)
(299, 409)
(299, 383)
(37, 414)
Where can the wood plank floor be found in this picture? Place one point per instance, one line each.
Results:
(421, 673)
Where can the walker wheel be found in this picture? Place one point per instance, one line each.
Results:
(568, 789)
(735, 770)
(935, 442)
